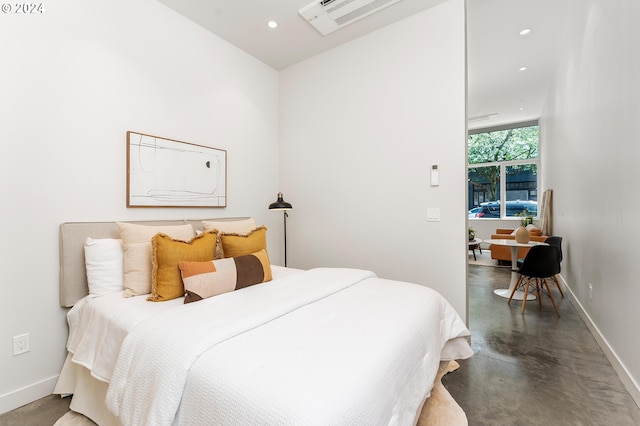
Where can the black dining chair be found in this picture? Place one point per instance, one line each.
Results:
(557, 242)
(540, 263)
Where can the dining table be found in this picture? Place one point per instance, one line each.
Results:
(513, 248)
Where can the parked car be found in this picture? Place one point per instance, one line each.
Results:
(492, 209)
(474, 211)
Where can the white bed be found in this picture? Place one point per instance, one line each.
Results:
(326, 346)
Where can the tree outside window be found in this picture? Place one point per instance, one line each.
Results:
(498, 159)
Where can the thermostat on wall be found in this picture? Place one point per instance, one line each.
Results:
(434, 175)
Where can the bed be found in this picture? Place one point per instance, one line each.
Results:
(326, 346)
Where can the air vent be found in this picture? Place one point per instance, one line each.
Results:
(327, 16)
(483, 117)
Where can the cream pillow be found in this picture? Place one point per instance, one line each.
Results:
(533, 230)
(242, 226)
(136, 242)
(103, 261)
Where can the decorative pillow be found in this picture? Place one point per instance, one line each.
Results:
(243, 226)
(234, 245)
(136, 241)
(166, 283)
(103, 261)
(206, 279)
(533, 230)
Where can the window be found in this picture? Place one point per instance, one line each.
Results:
(503, 165)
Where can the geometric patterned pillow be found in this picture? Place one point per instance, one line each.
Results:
(206, 279)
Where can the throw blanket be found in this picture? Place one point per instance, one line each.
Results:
(220, 360)
(98, 326)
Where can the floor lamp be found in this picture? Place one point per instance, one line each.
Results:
(281, 204)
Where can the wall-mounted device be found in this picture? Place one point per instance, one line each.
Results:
(435, 181)
(327, 16)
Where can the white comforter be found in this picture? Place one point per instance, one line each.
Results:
(326, 347)
(98, 326)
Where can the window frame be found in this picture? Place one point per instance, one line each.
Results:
(504, 164)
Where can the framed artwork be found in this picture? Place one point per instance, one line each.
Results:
(164, 172)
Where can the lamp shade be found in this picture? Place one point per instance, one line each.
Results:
(280, 204)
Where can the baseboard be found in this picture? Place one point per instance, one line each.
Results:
(27, 394)
(626, 378)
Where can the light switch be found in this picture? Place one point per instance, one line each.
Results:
(433, 215)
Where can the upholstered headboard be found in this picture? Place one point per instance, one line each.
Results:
(73, 274)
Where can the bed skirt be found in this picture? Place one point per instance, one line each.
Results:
(88, 395)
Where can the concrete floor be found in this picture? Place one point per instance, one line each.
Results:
(534, 369)
(43, 412)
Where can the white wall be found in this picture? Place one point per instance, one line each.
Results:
(73, 81)
(589, 133)
(360, 127)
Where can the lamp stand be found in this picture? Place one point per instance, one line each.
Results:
(285, 238)
(281, 204)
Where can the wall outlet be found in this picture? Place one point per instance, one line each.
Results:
(590, 291)
(21, 344)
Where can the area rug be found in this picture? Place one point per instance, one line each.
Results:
(439, 410)
(484, 259)
(71, 418)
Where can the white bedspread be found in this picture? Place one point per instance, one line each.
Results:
(326, 346)
(98, 326)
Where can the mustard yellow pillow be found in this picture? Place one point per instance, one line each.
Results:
(234, 245)
(166, 283)
(242, 226)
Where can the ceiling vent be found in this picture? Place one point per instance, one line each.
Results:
(326, 16)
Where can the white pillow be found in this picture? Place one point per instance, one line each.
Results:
(103, 259)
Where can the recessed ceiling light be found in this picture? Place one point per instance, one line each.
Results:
(522, 69)
(525, 31)
(521, 108)
(272, 24)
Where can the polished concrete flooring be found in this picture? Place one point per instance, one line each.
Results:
(43, 412)
(534, 369)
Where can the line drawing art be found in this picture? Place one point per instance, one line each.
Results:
(164, 172)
